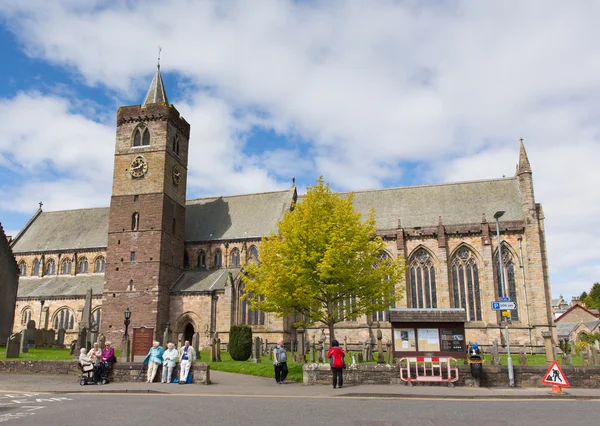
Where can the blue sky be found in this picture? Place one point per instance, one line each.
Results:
(367, 94)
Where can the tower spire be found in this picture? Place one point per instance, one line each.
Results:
(524, 166)
(156, 93)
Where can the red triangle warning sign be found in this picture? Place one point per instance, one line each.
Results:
(555, 376)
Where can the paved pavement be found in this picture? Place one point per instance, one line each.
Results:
(251, 386)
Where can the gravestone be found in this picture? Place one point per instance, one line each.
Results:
(195, 344)
(60, 339)
(380, 358)
(360, 358)
(597, 344)
(30, 334)
(323, 348)
(72, 347)
(388, 348)
(49, 337)
(300, 359)
(345, 344)
(13, 345)
(23, 344)
(353, 359)
(167, 337)
(523, 357)
(180, 340)
(547, 335)
(81, 339)
(495, 355)
(319, 350)
(313, 359)
(595, 355)
(125, 350)
(256, 350)
(213, 348)
(218, 349)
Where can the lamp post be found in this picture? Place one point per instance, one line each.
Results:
(511, 377)
(127, 314)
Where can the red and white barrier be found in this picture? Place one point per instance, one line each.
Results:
(428, 369)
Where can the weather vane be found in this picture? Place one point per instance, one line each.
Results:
(159, 49)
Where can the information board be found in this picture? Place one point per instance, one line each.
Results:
(453, 340)
(404, 340)
(428, 339)
(142, 341)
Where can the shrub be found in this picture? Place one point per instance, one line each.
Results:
(240, 342)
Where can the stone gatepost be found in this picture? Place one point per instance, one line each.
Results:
(256, 350)
(125, 350)
(196, 344)
(547, 335)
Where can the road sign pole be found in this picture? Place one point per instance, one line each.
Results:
(511, 374)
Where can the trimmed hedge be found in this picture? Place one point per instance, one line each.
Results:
(240, 342)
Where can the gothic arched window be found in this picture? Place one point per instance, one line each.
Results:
(135, 221)
(422, 280)
(35, 269)
(66, 267)
(82, 266)
(250, 316)
(99, 264)
(201, 261)
(465, 283)
(96, 317)
(253, 254)
(218, 259)
(51, 267)
(186, 259)
(25, 316)
(141, 136)
(508, 271)
(235, 257)
(382, 315)
(64, 318)
(176, 144)
(22, 268)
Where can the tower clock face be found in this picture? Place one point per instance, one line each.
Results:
(176, 175)
(138, 167)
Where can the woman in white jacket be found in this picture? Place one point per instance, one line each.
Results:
(169, 362)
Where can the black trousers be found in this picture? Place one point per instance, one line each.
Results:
(338, 376)
(281, 371)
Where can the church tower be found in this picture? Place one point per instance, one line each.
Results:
(147, 214)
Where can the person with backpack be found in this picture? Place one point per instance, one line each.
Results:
(280, 363)
(336, 357)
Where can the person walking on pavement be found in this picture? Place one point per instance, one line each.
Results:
(280, 363)
(336, 356)
(187, 356)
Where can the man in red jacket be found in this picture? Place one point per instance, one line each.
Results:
(336, 356)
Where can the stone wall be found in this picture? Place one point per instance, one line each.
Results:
(8, 287)
(122, 372)
(493, 376)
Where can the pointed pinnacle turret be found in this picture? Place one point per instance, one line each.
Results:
(524, 166)
(156, 93)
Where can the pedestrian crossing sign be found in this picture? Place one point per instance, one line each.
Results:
(555, 376)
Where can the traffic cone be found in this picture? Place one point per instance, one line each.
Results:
(556, 389)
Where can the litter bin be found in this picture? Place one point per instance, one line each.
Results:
(476, 363)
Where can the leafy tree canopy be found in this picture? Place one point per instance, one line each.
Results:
(326, 264)
(593, 298)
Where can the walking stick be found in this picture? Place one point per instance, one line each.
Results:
(140, 373)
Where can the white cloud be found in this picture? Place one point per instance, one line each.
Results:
(451, 85)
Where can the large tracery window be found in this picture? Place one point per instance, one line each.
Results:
(508, 270)
(64, 318)
(250, 316)
(465, 283)
(141, 136)
(422, 280)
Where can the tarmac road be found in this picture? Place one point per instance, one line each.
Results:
(171, 409)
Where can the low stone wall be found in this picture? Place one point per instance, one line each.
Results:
(121, 372)
(493, 376)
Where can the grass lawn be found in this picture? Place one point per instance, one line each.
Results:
(263, 369)
(51, 354)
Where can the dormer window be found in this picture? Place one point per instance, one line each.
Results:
(141, 136)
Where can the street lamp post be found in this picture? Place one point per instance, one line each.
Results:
(127, 314)
(511, 377)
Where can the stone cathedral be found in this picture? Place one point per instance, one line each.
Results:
(176, 262)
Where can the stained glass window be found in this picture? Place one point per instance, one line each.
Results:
(422, 280)
(465, 284)
(508, 269)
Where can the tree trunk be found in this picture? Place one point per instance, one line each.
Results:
(331, 326)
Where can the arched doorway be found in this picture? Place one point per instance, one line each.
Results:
(188, 332)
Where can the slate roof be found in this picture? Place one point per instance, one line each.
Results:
(60, 285)
(238, 216)
(457, 203)
(204, 280)
(592, 324)
(565, 329)
(156, 92)
(67, 229)
(427, 315)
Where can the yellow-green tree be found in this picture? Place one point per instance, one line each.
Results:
(325, 263)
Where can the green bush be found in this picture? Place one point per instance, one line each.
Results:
(240, 342)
